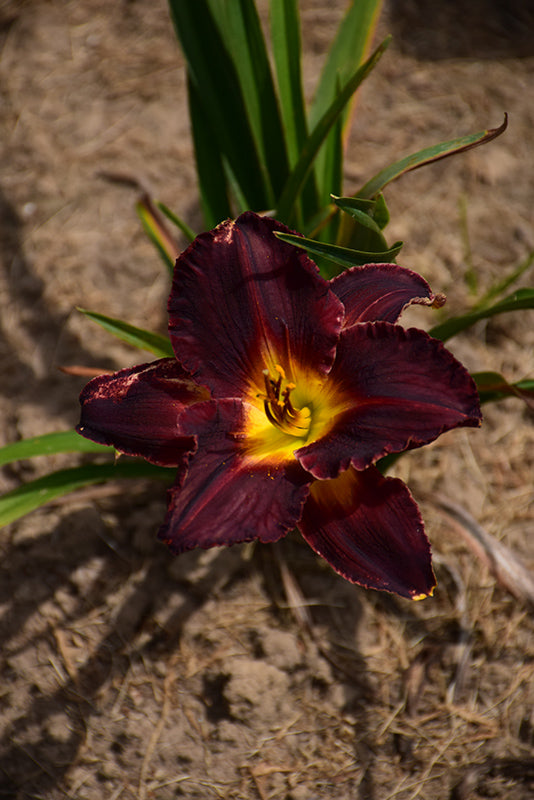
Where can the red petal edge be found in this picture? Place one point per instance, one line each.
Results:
(136, 411)
(241, 296)
(370, 531)
(381, 292)
(225, 498)
(405, 388)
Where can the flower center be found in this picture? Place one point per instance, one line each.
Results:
(279, 409)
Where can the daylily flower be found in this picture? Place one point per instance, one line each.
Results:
(285, 390)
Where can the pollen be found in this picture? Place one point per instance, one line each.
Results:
(424, 595)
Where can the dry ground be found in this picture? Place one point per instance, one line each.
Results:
(129, 674)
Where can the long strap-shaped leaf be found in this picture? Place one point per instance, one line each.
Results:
(49, 444)
(493, 386)
(215, 78)
(285, 37)
(156, 229)
(427, 156)
(138, 337)
(332, 165)
(346, 53)
(181, 224)
(350, 47)
(287, 54)
(319, 133)
(32, 495)
(214, 196)
(518, 301)
(341, 255)
(242, 34)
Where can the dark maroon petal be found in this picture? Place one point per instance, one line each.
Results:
(136, 411)
(242, 301)
(226, 497)
(402, 390)
(369, 529)
(380, 292)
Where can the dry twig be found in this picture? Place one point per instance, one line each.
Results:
(506, 567)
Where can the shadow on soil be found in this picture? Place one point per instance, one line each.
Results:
(43, 325)
(479, 29)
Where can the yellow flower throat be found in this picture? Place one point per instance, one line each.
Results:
(284, 415)
(279, 409)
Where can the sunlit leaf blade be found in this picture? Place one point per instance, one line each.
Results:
(242, 34)
(346, 53)
(427, 156)
(318, 221)
(157, 234)
(138, 337)
(176, 220)
(352, 204)
(285, 38)
(340, 255)
(286, 48)
(49, 444)
(493, 386)
(319, 133)
(333, 176)
(376, 209)
(348, 50)
(381, 212)
(218, 91)
(212, 183)
(363, 233)
(32, 495)
(518, 301)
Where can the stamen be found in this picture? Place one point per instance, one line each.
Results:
(278, 407)
(276, 422)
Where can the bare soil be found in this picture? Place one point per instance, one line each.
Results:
(255, 673)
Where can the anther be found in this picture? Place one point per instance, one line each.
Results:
(278, 407)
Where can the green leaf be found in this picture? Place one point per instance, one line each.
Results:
(352, 204)
(219, 94)
(287, 54)
(157, 233)
(317, 136)
(243, 37)
(492, 386)
(363, 233)
(285, 38)
(138, 337)
(428, 156)
(339, 255)
(518, 301)
(214, 196)
(178, 221)
(237, 196)
(152, 216)
(346, 54)
(32, 495)
(332, 170)
(381, 212)
(49, 444)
